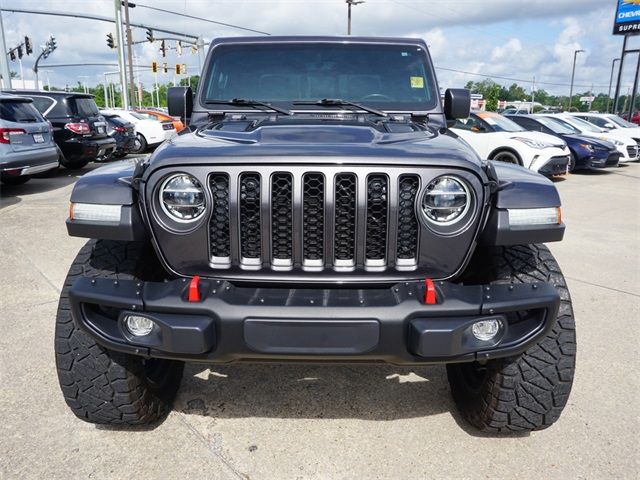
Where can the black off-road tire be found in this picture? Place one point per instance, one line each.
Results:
(529, 391)
(100, 385)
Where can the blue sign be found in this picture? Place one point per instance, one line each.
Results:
(627, 20)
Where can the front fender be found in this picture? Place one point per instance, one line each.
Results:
(108, 186)
(520, 189)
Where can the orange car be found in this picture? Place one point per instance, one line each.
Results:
(163, 117)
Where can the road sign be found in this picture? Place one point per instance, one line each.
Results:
(627, 20)
(587, 99)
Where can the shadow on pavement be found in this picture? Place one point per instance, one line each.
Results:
(309, 391)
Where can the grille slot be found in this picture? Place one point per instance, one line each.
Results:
(219, 224)
(313, 220)
(407, 244)
(377, 217)
(345, 220)
(281, 219)
(250, 234)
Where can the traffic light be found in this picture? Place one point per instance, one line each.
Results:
(53, 45)
(12, 55)
(165, 68)
(150, 38)
(179, 48)
(110, 42)
(184, 69)
(28, 46)
(154, 67)
(178, 68)
(163, 49)
(20, 54)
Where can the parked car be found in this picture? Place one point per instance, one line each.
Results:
(162, 117)
(124, 133)
(26, 141)
(495, 137)
(612, 122)
(626, 146)
(315, 225)
(586, 152)
(150, 133)
(78, 128)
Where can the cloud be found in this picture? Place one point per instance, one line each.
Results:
(511, 48)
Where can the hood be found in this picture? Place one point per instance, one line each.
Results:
(392, 142)
(596, 142)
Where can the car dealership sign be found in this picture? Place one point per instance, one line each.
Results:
(627, 20)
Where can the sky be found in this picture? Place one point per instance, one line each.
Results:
(516, 39)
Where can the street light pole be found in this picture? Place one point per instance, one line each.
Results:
(573, 72)
(349, 4)
(4, 63)
(613, 66)
(124, 97)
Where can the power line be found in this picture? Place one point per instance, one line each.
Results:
(201, 19)
(516, 79)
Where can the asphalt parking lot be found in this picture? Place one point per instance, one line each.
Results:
(273, 422)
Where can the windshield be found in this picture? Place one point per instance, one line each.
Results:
(584, 125)
(389, 77)
(557, 126)
(499, 123)
(621, 121)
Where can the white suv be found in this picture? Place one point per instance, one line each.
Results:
(495, 137)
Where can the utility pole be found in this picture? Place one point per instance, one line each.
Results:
(617, 94)
(132, 86)
(613, 66)
(349, 4)
(533, 93)
(573, 72)
(4, 63)
(634, 91)
(200, 47)
(121, 65)
(106, 92)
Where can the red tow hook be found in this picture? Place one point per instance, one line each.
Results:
(430, 292)
(194, 289)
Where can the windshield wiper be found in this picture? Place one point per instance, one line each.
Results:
(338, 101)
(250, 103)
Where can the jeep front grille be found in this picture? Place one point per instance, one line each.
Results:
(283, 220)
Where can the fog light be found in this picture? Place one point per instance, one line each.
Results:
(486, 329)
(138, 326)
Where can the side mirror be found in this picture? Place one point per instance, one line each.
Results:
(457, 104)
(180, 102)
(610, 126)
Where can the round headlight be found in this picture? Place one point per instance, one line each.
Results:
(182, 198)
(445, 201)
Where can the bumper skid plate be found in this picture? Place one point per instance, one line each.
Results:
(237, 323)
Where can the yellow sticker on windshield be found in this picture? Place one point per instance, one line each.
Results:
(417, 82)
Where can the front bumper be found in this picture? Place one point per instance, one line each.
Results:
(394, 325)
(555, 166)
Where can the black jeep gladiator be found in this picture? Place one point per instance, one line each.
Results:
(318, 209)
